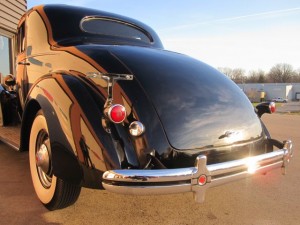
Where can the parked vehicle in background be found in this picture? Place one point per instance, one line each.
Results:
(284, 100)
(103, 105)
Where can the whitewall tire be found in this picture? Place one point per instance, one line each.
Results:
(53, 192)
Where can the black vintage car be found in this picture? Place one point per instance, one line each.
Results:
(103, 105)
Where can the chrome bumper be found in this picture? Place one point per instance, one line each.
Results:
(195, 179)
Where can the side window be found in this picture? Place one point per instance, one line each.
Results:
(21, 38)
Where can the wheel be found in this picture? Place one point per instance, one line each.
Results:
(54, 193)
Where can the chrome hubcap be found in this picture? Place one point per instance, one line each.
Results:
(43, 159)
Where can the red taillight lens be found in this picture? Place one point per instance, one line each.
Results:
(202, 180)
(272, 107)
(117, 113)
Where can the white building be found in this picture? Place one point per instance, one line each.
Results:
(291, 91)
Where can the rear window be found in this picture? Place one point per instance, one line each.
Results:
(116, 28)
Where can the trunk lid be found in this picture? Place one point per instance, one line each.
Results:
(197, 105)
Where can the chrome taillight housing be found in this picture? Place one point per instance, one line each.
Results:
(116, 113)
(136, 128)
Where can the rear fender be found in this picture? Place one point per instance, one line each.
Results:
(64, 161)
(81, 148)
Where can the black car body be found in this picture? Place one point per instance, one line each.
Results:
(187, 126)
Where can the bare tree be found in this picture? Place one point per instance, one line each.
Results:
(256, 77)
(237, 74)
(296, 76)
(226, 70)
(281, 73)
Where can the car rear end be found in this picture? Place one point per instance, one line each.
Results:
(213, 131)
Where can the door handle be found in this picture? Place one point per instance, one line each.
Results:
(23, 63)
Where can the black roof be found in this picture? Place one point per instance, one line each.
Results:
(65, 22)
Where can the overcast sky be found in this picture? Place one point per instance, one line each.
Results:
(253, 34)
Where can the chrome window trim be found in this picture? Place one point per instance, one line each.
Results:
(105, 18)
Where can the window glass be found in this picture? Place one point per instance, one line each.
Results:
(4, 55)
(109, 27)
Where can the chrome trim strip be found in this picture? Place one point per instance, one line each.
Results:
(161, 175)
(167, 181)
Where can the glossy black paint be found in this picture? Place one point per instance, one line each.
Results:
(65, 21)
(92, 106)
(195, 103)
(61, 150)
(187, 107)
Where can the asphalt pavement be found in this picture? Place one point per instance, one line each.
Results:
(260, 200)
(289, 107)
